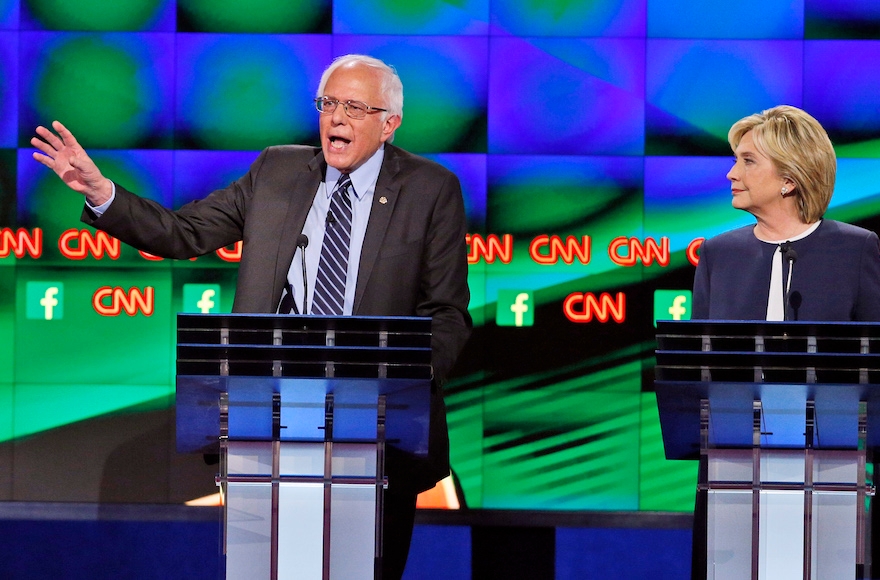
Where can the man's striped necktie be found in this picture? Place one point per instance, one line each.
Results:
(333, 267)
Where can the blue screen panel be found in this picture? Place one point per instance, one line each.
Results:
(842, 19)
(426, 17)
(471, 172)
(445, 83)
(851, 111)
(566, 96)
(112, 90)
(9, 14)
(248, 91)
(192, 181)
(689, 197)
(8, 88)
(717, 20)
(737, 78)
(617, 18)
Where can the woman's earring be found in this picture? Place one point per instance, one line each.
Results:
(784, 191)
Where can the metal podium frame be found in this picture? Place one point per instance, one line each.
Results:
(300, 409)
(783, 417)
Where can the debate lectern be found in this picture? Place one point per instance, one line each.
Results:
(300, 409)
(783, 417)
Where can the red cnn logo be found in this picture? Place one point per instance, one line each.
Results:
(489, 248)
(580, 307)
(557, 249)
(109, 301)
(646, 251)
(21, 242)
(96, 245)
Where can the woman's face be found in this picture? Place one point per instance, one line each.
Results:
(754, 181)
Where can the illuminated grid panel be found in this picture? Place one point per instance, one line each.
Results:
(463, 17)
(8, 88)
(734, 20)
(841, 19)
(625, 18)
(856, 192)
(9, 14)
(696, 89)
(567, 96)
(113, 90)
(156, 15)
(445, 87)
(245, 91)
(852, 119)
(254, 16)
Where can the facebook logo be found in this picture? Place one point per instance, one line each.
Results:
(201, 298)
(515, 308)
(45, 300)
(672, 305)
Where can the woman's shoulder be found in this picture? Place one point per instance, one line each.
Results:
(843, 229)
(734, 237)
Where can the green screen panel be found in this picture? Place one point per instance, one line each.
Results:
(564, 446)
(40, 407)
(254, 16)
(7, 390)
(7, 321)
(98, 14)
(127, 339)
(664, 485)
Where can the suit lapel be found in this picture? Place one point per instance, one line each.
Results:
(302, 189)
(384, 200)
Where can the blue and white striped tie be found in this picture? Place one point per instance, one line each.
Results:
(333, 267)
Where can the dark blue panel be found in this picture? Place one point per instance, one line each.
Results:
(622, 554)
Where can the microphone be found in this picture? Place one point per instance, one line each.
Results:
(795, 301)
(302, 242)
(331, 219)
(790, 255)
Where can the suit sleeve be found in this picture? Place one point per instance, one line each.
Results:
(197, 228)
(868, 301)
(700, 306)
(443, 292)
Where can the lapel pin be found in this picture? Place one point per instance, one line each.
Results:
(383, 200)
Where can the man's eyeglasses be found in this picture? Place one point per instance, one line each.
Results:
(354, 109)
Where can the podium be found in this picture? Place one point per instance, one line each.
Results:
(783, 417)
(300, 410)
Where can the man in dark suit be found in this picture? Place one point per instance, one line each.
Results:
(408, 252)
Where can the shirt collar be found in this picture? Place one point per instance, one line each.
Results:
(363, 178)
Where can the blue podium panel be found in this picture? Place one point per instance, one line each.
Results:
(301, 409)
(782, 415)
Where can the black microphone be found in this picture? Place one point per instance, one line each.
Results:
(330, 218)
(301, 242)
(790, 255)
(795, 301)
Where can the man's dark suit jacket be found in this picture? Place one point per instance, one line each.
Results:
(413, 262)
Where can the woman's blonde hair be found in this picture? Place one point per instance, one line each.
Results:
(800, 150)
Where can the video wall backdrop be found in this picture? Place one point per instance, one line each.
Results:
(590, 140)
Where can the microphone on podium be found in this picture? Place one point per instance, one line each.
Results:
(790, 255)
(302, 242)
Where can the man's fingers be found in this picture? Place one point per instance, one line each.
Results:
(43, 146)
(65, 135)
(50, 138)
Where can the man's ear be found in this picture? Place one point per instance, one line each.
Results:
(390, 126)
